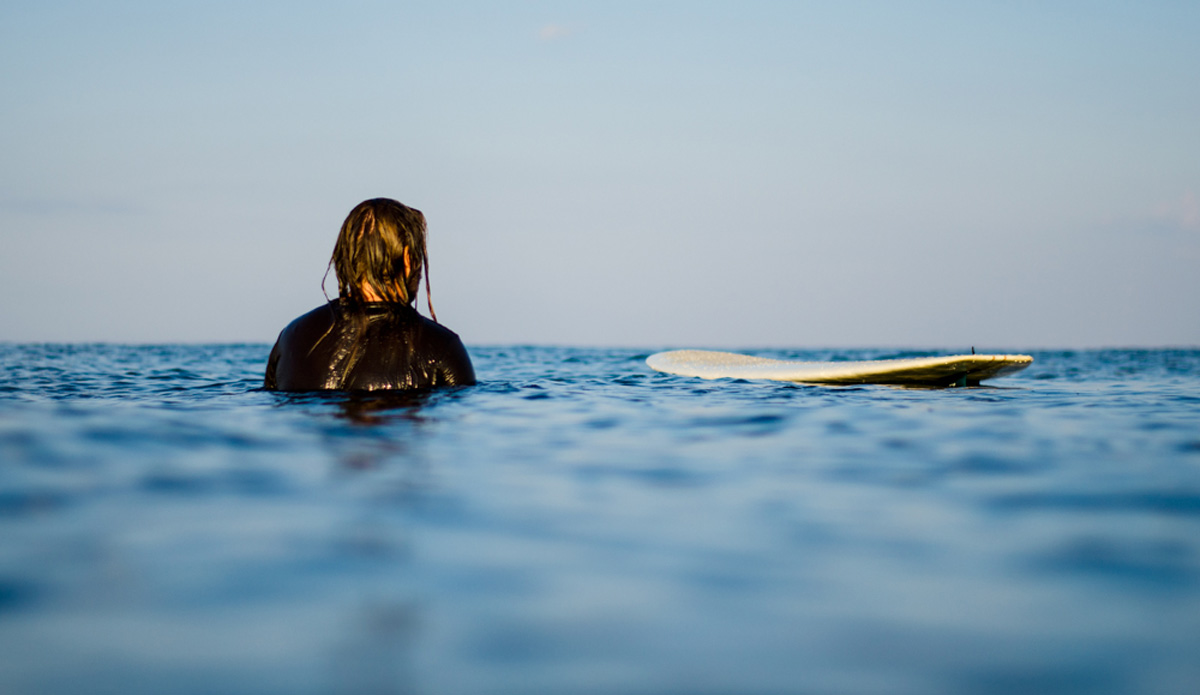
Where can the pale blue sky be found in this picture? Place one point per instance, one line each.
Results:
(996, 174)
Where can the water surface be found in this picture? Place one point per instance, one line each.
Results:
(579, 523)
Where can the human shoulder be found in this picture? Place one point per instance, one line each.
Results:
(324, 314)
(434, 328)
(445, 351)
(313, 324)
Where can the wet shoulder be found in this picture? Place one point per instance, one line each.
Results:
(437, 332)
(319, 319)
(443, 351)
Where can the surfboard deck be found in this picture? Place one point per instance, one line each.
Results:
(950, 370)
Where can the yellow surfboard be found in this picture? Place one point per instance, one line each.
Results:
(951, 370)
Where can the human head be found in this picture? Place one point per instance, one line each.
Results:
(380, 250)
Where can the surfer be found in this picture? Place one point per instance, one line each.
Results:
(371, 337)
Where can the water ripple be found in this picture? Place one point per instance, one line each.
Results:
(577, 516)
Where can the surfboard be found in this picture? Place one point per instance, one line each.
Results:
(950, 370)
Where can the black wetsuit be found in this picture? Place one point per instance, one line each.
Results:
(346, 346)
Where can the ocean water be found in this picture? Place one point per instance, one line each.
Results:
(577, 523)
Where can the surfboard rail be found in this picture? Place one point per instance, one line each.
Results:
(948, 370)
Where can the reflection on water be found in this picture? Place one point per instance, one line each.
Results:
(358, 438)
(365, 408)
(578, 523)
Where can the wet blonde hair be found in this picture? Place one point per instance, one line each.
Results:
(370, 252)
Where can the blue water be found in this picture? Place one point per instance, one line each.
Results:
(577, 523)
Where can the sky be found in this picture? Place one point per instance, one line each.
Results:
(651, 174)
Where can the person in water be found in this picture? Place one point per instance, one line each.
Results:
(371, 337)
